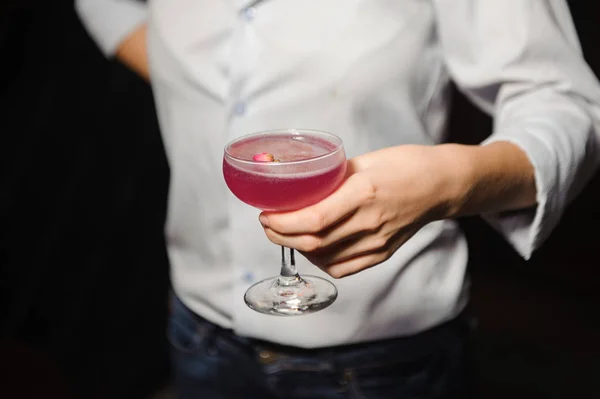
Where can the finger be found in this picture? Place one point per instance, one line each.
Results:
(364, 260)
(356, 264)
(355, 191)
(349, 249)
(355, 225)
(300, 242)
(364, 222)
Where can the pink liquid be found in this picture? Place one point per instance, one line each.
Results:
(284, 187)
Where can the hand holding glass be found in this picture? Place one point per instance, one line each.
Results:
(286, 170)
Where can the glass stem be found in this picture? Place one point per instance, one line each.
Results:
(289, 272)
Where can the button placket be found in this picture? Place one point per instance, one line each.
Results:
(239, 108)
(249, 13)
(248, 277)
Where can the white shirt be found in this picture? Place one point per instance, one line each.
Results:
(376, 73)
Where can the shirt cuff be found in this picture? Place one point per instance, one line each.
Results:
(527, 229)
(110, 23)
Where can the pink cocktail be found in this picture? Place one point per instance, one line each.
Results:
(297, 180)
(286, 170)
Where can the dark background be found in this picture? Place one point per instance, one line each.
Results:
(83, 268)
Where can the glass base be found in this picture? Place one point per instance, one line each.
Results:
(290, 296)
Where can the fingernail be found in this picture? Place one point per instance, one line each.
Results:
(263, 220)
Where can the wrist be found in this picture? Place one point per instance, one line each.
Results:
(456, 169)
(478, 179)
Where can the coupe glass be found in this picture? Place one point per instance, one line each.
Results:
(281, 171)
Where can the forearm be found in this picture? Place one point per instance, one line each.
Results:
(485, 179)
(132, 52)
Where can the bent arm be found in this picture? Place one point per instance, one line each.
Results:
(520, 61)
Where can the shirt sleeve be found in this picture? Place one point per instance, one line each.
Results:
(109, 22)
(520, 60)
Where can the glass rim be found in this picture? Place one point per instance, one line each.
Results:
(339, 146)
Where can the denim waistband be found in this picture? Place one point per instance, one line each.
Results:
(408, 347)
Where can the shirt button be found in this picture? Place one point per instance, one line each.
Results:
(248, 277)
(239, 109)
(250, 13)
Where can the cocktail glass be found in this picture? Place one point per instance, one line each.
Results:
(281, 171)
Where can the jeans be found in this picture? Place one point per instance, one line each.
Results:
(210, 362)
